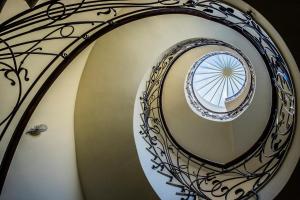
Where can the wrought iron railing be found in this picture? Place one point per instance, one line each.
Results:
(30, 63)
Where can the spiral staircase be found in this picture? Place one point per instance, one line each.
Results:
(170, 99)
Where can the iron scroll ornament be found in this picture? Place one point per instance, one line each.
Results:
(195, 176)
(76, 25)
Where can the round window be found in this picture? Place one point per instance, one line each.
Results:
(220, 85)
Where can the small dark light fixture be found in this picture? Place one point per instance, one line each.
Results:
(37, 130)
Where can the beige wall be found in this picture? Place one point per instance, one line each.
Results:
(196, 134)
(44, 167)
(106, 95)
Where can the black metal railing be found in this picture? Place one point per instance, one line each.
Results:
(30, 37)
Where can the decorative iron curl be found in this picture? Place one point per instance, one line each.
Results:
(204, 179)
(25, 39)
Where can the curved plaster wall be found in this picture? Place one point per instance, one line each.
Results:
(44, 166)
(272, 189)
(104, 106)
(196, 134)
(269, 191)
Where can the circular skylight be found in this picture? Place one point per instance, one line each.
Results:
(220, 85)
(218, 77)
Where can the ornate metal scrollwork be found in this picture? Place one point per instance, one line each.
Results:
(29, 37)
(196, 177)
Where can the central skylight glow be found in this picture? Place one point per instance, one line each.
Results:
(217, 77)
